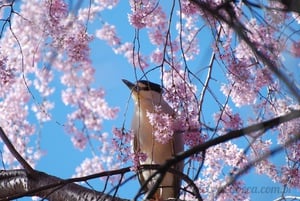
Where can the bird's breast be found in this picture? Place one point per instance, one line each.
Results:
(142, 130)
(145, 141)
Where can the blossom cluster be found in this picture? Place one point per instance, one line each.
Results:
(46, 40)
(162, 124)
(228, 119)
(122, 142)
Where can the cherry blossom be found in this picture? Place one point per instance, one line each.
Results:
(228, 119)
(45, 53)
(122, 142)
(108, 33)
(296, 49)
(144, 13)
(162, 124)
(290, 177)
(89, 166)
(137, 158)
(53, 39)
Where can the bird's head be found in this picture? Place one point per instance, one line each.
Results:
(145, 92)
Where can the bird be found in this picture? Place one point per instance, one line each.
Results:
(146, 96)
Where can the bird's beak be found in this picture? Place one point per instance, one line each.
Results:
(130, 85)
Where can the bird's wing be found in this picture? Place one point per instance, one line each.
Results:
(135, 144)
(136, 149)
(178, 146)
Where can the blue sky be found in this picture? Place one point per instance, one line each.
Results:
(61, 158)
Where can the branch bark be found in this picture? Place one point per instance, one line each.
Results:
(17, 183)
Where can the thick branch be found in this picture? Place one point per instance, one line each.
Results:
(15, 153)
(238, 133)
(17, 183)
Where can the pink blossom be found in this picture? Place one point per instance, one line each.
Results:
(260, 147)
(76, 44)
(263, 78)
(276, 15)
(122, 143)
(290, 176)
(181, 96)
(219, 156)
(6, 74)
(146, 14)
(293, 152)
(178, 90)
(136, 20)
(240, 87)
(137, 158)
(108, 33)
(157, 37)
(92, 108)
(41, 83)
(296, 49)
(134, 58)
(78, 139)
(162, 125)
(188, 39)
(193, 138)
(157, 56)
(228, 119)
(42, 111)
(96, 7)
(89, 166)
(188, 7)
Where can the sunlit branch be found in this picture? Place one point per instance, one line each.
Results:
(47, 186)
(15, 153)
(60, 182)
(208, 77)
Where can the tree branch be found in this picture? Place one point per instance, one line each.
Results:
(17, 183)
(15, 153)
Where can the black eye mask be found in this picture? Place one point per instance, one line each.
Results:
(148, 86)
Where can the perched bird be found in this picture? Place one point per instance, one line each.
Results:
(146, 96)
